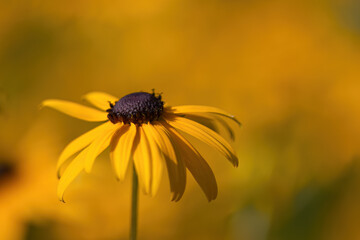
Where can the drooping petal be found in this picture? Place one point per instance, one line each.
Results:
(142, 160)
(208, 120)
(160, 137)
(122, 148)
(204, 134)
(204, 119)
(99, 145)
(156, 158)
(201, 109)
(80, 143)
(71, 172)
(196, 164)
(76, 110)
(115, 153)
(100, 99)
(175, 167)
(227, 127)
(177, 178)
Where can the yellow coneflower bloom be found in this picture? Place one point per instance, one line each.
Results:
(139, 127)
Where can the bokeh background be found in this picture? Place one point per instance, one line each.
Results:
(289, 71)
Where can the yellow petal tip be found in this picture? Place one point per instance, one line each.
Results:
(44, 103)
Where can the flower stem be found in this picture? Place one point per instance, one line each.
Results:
(134, 205)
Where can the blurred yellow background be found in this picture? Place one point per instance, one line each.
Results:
(289, 71)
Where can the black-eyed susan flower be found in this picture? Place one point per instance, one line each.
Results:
(139, 127)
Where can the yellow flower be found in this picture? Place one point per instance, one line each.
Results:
(139, 127)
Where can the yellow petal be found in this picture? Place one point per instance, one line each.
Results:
(137, 161)
(76, 110)
(99, 145)
(227, 127)
(156, 158)
(175, 167)
(204, 134)
(207, 120)
(71, 172)
(100, 99)
(196, 164)
(201, 109)
(142, 160)
(160, 135)
(80, 143)
(115, 153)
(177, 178)
(122, 148)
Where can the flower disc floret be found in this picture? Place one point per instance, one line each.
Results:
(137, 108)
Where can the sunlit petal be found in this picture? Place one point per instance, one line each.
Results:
(76, 110)
(71, 172)
(156, 157)
(80, 143)
(99, 145)
(160, 137)
(142, 160)
(122, 148)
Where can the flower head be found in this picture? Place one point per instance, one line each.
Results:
(138, 127)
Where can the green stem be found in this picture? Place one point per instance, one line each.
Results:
(134, 205)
